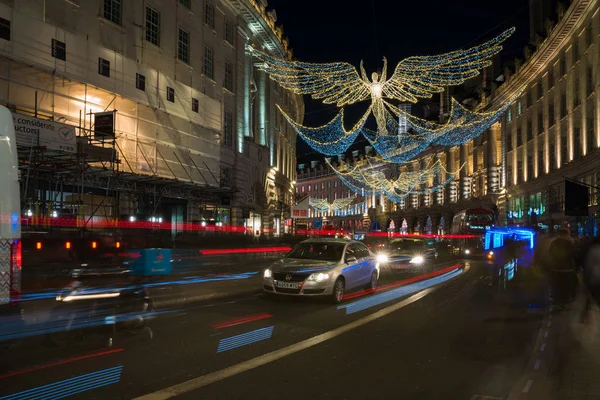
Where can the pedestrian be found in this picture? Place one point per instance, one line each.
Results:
(563, 269)
(591, 276)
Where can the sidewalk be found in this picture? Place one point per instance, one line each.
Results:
(575, 370)
(565, 363)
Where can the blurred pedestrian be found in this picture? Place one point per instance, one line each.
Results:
(563, 269)
(591, 275)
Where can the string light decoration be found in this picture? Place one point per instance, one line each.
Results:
(332, 138)
(414, 78)
(322, 205)
(369, 178)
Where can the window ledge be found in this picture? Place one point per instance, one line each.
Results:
(112, 24)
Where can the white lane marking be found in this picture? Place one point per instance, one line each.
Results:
(216, 376)
(543, 347)
(537, 364)
(527, 386)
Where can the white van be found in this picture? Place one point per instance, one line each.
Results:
(10, 217)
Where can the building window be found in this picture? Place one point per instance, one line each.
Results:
(540, 154)
(589, 36)
(552, 152)
(153, 26)
(550, 114)
(112, 11)
(519, 108)
(208, 62)
(591, 129)
(104, 67)
(540, 90)
(564, 150)
(577, 144)
(550, 78)
(576, 91)
(529, 132)
(563, 105)
(335, 183)
(509, 115)
(140, 82)
(228, 81)
(563, 66)
(540, 122)
(590, 80)
(529, 164)
(575, 52)
(229, 32)
(529, 98)
(183, 46)
(4, 29)
(519, 137)
(509, 141)
(185, 3)
(170, 94)
(195, 105)
(227, 128)
(209, 15)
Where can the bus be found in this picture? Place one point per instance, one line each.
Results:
(472, 221)
(10, 216)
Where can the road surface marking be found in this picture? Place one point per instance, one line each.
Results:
(205, 380)
(537, 364)
(543, 347)
(527, 386)
(244, 339)
(61, 362)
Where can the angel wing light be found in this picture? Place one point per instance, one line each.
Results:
(414, 78)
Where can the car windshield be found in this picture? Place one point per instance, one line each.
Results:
(317, 251)
(480, 218)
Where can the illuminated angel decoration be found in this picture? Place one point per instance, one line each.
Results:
(414, 78)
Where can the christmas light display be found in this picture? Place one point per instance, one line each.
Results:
(413, 78)
(370, 177)
(322, 205)
(330, 139)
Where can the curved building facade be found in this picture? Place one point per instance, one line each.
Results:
(173, 120)
(518, 167)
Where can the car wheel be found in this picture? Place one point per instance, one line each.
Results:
(372, 285)
(338, 290)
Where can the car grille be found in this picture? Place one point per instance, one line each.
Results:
(313, 291)
(288, 291)
(279, 276)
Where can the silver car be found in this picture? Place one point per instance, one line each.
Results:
(323, 267)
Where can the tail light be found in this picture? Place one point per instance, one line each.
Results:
(15, 276)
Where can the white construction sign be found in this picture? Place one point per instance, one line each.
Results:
(52, 135)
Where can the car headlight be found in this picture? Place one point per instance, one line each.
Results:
(491, 253)
(417, 260)
(382, 258)
(318, 277)
(267, 273)
(467, 251)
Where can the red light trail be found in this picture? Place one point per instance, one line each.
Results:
(242, 320)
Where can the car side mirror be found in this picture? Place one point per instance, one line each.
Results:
(350, 259)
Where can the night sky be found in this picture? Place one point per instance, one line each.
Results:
(351, 30)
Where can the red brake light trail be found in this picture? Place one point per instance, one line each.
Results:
(242, 320)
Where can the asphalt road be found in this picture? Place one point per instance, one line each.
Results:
(458, 338)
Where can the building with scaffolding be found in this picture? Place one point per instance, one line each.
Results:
(149, 111)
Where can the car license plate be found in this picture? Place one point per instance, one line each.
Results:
(287, 285)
